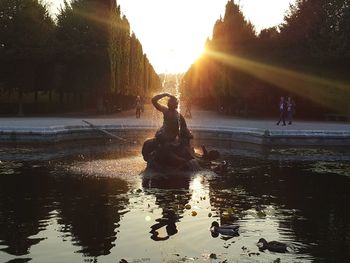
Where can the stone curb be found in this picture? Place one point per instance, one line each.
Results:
(55, 134)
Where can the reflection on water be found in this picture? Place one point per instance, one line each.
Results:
(171, 195)
(98, 205)
(85, 210)
(95, 209)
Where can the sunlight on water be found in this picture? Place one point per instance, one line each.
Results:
(200, 191)
(124, 167)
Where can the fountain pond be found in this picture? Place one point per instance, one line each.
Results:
(96, 204)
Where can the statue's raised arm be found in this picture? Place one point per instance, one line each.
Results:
(157, 98)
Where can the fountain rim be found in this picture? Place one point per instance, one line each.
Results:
(56, 134)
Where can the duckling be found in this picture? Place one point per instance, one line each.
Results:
(225, 230)
(273, 246)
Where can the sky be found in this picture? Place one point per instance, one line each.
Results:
(173, 32)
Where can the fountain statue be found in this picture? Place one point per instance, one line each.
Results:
(171, 148)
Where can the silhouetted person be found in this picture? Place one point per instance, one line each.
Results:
(290, 105)
(142, 104)
(138, 106)
(282, 110)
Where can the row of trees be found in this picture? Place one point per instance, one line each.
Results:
(306, 57)
(86, 54)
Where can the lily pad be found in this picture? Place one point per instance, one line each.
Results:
(331, 168)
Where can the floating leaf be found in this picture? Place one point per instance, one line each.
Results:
(261, 213)
(230, 211)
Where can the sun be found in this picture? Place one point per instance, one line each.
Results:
(180, 58)
(172, 32)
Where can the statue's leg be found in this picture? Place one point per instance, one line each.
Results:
(148, 147)
(167, 156)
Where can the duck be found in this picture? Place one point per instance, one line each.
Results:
(225, 230)
(221, 167)
(273, 246)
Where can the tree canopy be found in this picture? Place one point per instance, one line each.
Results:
(88, 52)
(306, 57)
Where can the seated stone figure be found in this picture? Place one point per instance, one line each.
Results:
(171, 149)
(171, 145)
(172, 119)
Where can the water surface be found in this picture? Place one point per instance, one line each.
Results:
(99, 206)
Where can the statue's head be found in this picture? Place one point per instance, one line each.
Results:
(173, 103)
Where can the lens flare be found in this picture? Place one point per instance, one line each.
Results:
(326, 92)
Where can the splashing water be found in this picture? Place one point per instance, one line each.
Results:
(178, 95)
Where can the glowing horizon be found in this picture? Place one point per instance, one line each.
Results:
(173, 35)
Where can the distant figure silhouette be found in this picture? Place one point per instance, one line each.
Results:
(290, 105)
(282, 110)
(138, 106)
(142, 104)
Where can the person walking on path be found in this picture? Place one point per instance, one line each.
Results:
(282, 109)
(138, 106)
(290, 110)
(142, 104)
